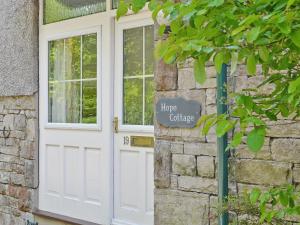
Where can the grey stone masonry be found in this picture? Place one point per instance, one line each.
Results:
(18, 158)
(186, 161)
(19, 47)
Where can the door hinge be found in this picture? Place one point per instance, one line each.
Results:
(116, 124)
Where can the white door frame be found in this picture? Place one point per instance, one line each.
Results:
(104, 23)
(134, 21)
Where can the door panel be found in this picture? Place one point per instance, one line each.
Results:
(133, 161)
(75, 129)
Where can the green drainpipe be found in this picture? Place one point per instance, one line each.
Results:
(222, 144)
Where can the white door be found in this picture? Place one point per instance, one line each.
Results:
(76, 137)
(133, 139)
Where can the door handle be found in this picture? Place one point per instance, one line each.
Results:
(116, 125)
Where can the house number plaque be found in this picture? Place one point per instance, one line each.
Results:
(178, 112)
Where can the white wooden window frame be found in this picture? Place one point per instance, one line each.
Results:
(94, 126)
(124, 24)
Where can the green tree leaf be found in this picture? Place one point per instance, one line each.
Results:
(122, 9)
(199, 70)
(216, 3)
(251, 65)
(219, 60)
(252, 35)
(295, 36)
(256, 139)
(263, 53)
(223, 126)
(254, 195)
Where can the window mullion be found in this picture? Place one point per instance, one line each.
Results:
(81, 86)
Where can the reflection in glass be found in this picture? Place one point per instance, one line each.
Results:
(72, 102)
(133, 52)
(58, 10)
(89, 102)
(149, 50)
(149, 96)
(89, 56)
(73, 95)
(72, 58)
(138, 87)
(133, 101)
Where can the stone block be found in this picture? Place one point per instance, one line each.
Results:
(174, 182)
(174, 207)
(31, 130)
(197, 184)
(8, 122)
(9, 150)
(209, 83)
(284, 129)
(206, 166)
(286, 150)
(177, 147)
(211, 97)
(263, 172)
(165, 76)
(162, 164)
(296, 173)
(17, 179)
(209, 149)
(20, 122)
(243, 152)
(186, 79)
(31, 173)
(27, 149)
(184, 165)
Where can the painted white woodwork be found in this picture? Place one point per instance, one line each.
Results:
(85, 170)
(133, 166)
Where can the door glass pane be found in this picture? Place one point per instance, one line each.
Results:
(89, 102)
(133, 52)
(149, 96)
(73, 96)
(58, 10)
(89, 56)
(138, 89)
(149, 53)
(133, 101)
(72, 104)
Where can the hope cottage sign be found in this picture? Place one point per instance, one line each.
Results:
(178, 112)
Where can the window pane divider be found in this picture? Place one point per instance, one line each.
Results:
(81, 86)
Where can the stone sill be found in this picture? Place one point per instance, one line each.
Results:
(61, 218)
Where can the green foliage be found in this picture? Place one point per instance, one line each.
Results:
(278, 205)
(264, 32)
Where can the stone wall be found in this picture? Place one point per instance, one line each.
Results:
(18, 110)
(185, 161)
(18, 158)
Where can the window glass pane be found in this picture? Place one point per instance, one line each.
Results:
(58, 10)
(89, 56)
(56, 59)
(149, 105)
(73, 96)
(138, 76)
(72, 99)
(89, 102)
(72, 58)
(133, 101)
(149, 50)
(133, 52)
